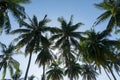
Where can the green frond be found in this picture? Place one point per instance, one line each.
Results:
(75, 43)
(56, 36)
(35, 21)
(7, 24)
(3, 45)
(77, 35)
(111, 24)
(117, 31)
(44, 57)
(103, 17)
(4, 72)
(63, 23)
(20, 1)
(10, 69)
(44, 21)
(55, 73)
(23, 23)
(18, 31)
(76, 26)
(60, 42)
(71, 21)
(105, 5)
(29, 47)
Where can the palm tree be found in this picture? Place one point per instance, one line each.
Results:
(73, 71)
(55, 72)
(98, 49)
(7, 60)
(14, 7)
(88, 72)
(66, 36)
(45, 56)
(31, 36)
(112, 13)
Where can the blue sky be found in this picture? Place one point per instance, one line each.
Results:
(83, 10)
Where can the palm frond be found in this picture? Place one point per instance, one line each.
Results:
(56, 36)
(4, 72)
(103, 17)
(11, 69)
(19, 31)
(111, 24)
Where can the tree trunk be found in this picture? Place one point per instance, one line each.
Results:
(43, 76)
(28, 66)
(71, 77)
(112, 73)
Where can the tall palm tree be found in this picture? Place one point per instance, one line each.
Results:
(7, 60)
(98, 49)
(31, 36)
(88, 72)
(11, 6)
(45, 56)
(73, 71)
(112, 13)
(66, 36)
(55, 72)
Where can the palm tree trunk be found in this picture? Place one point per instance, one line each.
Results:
(43, 76)
(107, 74)
(71, 77)
(28, 66)
(112, 73)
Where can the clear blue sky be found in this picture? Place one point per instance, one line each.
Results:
(83, 11)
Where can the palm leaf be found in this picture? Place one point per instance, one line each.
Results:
(4, 72)
(111, 24)
(56, 36)
(19, 31)
(103, 17)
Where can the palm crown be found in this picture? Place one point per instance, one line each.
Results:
(7, 60)
(66, 36)
(15, 8)
(112, 12)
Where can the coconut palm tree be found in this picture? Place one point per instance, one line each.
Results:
(55, 72)
(67, 36)
(31, 36)
(112, 13)
(88, 72)
(98, 49)
(73, 71)
(45, 56)
(11, 6)
(7, 60)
